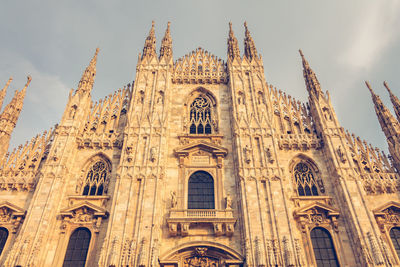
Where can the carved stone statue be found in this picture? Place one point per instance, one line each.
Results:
(153, 154)
(247, 154)
(174, 201)
(228, 202)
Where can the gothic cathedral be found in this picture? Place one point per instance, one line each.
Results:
(199, 162)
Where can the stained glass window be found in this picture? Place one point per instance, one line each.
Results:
(96, 179)
(200, 116)
(201, 191)
(324, 251)
(395, 236)
(3, 238)
(77, 249)
(305, 180)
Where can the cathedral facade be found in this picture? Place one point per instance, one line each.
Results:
(199, 162)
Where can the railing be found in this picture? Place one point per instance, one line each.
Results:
(203, 213)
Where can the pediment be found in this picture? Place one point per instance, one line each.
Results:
(317, 206)
(88, 207)
(199, 55)
(201, 146)
(16, 211)
(393, 205)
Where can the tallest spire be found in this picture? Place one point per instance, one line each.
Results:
(233, 48)
(87, 80)
(389, 125)
(312, 83)
(250, 50)
(166, 43)
(395, 101)
(149, 48)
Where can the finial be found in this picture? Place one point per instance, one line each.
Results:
(230, 25)
(28, 81)
(151, 33)
(369, 87)
(7, 84)
(387, 87)
(301, 53)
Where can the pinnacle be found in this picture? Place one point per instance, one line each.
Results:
(166, 43)
(387, 87)
(370, 88)
(149, 48)
(250, 50)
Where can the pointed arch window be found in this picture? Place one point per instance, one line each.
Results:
(305, 180)
(395, 237)
(96, 179)
(324, 250)
(200, 116)
(3, 238)
(77, 249)
(201, 191)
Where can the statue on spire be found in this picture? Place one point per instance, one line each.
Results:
(250, 50)
(233, 48)
(149, 48)
(312, 83)
(3, 92)
(395, 101)
(389, 125)
(166, 44)
(87, 80)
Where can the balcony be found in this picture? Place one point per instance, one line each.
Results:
(179, 221)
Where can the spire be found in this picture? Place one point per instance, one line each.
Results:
(3, 92)
(390, 127)
(233, 48)
(9, 117)
(250, 50)
(395, 101)
(149, 49)
(166, 43)
(312, 83)
(87, 80)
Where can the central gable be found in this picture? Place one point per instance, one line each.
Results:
(199, 66)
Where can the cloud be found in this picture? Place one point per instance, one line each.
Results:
(43, 104)
(377, 26)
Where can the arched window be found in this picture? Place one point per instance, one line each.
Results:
(201, 191)
(96, 179)
(77, 249)
(324, 251)
(395, 236)
(3, 238)
(200, 116)
(305, 181)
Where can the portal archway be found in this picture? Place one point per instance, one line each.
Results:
(201, 254)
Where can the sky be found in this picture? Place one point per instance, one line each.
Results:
(345, 42)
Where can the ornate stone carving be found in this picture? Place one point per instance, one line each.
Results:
(83, 214)
(11, 216)
(388, 216)
(317, 214)
(199, 67)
